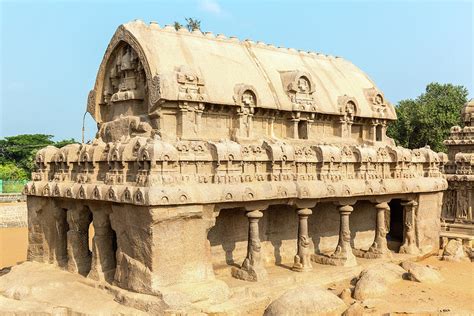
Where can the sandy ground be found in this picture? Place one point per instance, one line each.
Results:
(455, 295)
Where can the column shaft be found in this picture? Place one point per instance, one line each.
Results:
(252, 268)
(409, 239)
(303, 257)
(379, 246)
(79, 256)
(343, 251)
(103, 248)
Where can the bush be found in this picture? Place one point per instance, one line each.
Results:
(10, 171)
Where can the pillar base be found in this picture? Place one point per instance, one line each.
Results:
(81, 266)
(252, 274)
(107, 276)
(409, 249)
(298, 266)
(372, 253)
(335, 260)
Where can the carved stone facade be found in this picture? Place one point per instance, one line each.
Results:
(458, 204)
(237, 158)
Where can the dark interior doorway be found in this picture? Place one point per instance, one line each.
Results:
(395, 234)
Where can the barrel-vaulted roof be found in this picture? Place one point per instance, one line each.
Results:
(224, 66)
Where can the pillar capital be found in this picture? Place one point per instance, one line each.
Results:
(345, 209)
(383, 206)
(345, 201)
(410, 203)
(254, 214)
(304, 212)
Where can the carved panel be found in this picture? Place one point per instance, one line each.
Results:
(300, 89)
(377, 101)
(348, 107)
(190, 85)
(125, 77)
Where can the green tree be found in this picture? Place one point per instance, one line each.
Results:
(177, 25)
(191, 24)
(427, 119)
(20, 150)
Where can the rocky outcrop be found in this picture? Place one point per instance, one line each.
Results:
(374, 281)
(306, 300)
(454, 251)
(421, 273)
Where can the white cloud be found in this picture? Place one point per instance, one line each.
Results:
(211, 6)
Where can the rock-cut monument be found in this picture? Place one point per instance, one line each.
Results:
(215, 153)
(457, 216)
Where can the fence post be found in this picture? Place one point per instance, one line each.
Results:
(1, 186)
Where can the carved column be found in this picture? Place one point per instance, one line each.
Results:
(303, 257)
(252, 268)
(343, 253)
(61, 242)
(373, 131)
(294, 122)
(409, 239)
(184, 127)
(271, 131)
(103, 248)
(384, 131)
(379, 247)
(349, 129)
(342, 127)
(198, 117)
(79, 256)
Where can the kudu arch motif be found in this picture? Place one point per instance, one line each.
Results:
(184, 136)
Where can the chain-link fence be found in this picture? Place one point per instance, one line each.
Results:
(12, 186)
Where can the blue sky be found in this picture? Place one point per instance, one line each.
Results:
(51, 50)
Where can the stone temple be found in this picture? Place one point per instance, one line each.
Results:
(215, 153)
(457, 215)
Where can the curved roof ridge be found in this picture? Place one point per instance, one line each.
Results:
(280, 78)
(219, 36)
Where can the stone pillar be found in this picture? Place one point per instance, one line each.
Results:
(79, 256)
(379, 247)
(303, 256)
(60, 216)
(373, 132)
(271, 123)
(349, 129)
(47, 228)
(252, 268)
(294, 122)
(184, 129)
(103, 248)
(343, 253)
(409, 238)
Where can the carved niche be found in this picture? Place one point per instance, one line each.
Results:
(377, 101)
(191, 96)
(246, 98)
(125, 77)
(300, 89)
(348, 107)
